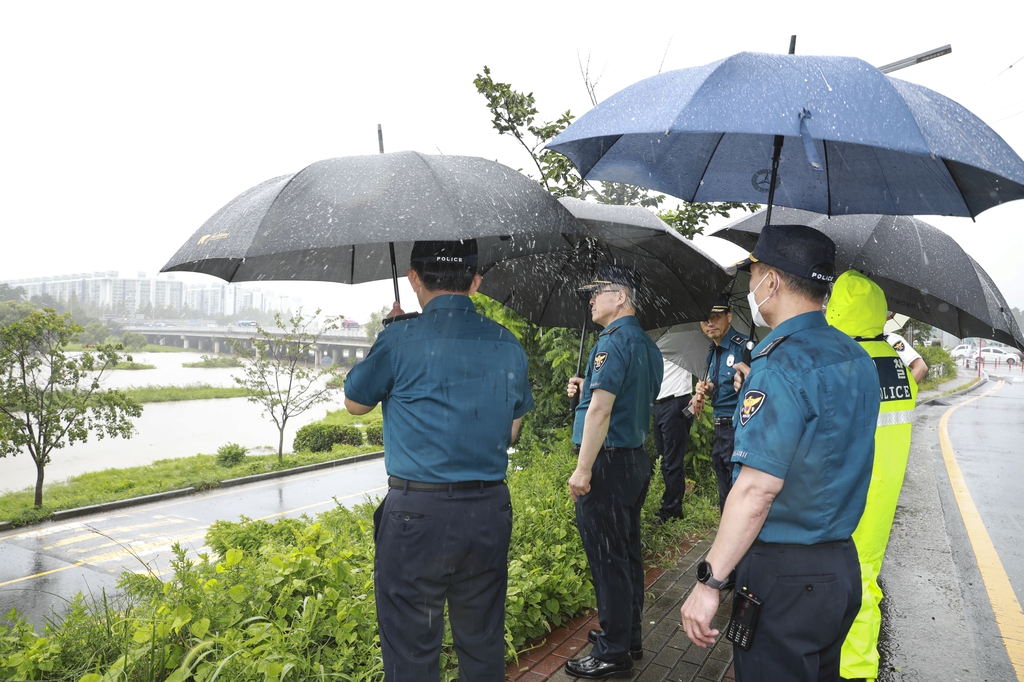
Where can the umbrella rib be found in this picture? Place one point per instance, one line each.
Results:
(693, 197)
(970, 211)
(828, 181)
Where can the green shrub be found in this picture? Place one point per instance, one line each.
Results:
(206, 362)
(321, 437)
(375, 432)
(941, 365)
(231, 454)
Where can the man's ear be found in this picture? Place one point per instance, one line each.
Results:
(414, 280)
(477, 279)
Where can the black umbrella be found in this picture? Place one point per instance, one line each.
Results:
(351, 219)
(925, 274)
(681, 282)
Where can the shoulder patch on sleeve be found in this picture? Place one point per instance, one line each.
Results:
(752, 402)
(899, 345)
(770, 347)
(599, 360)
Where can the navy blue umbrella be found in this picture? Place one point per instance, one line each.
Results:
(854, 140)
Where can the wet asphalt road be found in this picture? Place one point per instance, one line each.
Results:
(939, 622)
(42, 566)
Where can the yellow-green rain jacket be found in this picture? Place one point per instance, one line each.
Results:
(858, 307)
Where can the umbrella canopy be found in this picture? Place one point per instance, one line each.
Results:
(336, 220)
(681, 282)
(855, 140)
(925, 274)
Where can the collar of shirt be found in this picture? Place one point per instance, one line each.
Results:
(457, 301)
(793, 325)
(621, 322)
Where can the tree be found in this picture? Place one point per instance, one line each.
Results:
(9, 293)
(515, 113)
(133, 340)
(94, 333)
(276, 369)
(49, 400)
(376, 324)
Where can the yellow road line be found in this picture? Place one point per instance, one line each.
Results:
(1009, 617)
(40, 575)
(92, 534)
(320, 504)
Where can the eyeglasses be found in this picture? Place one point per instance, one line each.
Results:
(596, 292)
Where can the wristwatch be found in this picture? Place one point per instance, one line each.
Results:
(705, 575)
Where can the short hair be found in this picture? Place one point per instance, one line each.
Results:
(811, 289)
(445, 276)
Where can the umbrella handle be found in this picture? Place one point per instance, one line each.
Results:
(574, 401)
(394, 271)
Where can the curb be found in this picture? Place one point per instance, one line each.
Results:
(119, 504)
(972, 387)
(156, 497)
(298, 470)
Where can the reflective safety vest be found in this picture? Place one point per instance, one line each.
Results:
(897, 390)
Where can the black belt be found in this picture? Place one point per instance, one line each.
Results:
(671, 397)
(402, 484)
(723, 421)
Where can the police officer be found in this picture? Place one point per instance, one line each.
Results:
(453, 387)
(857, 307)
(725, 353)
(613, 472)
(803, 449)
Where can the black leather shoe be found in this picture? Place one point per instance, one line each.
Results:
(636, 653)
(591, 668)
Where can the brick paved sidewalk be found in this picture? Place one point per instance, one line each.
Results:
(668, 654)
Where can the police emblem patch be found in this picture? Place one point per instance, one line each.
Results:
(599, 361)
(898, 345)
(752, 402)
(730, 361)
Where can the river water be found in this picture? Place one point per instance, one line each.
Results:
(165, 430)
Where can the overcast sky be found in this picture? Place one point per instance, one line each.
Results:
(125, 125)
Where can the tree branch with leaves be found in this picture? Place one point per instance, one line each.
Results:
(276, 364)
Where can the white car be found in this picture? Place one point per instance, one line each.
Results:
(964, 351)
(994, 356)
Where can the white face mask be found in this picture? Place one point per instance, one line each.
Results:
(755, 307)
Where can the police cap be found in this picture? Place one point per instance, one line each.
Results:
(796, 249)
(457, 252)
(622, 275)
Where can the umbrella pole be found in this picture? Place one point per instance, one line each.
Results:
(391, 245)
(776, 154)
(575, 400)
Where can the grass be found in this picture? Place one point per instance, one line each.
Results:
(344, 418)
(217, 361)
(166, 394)
(133, 365)
(200, 471)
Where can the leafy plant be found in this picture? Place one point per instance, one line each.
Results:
(230, 454)
(375, 432)
(206, 362)
(321, 437)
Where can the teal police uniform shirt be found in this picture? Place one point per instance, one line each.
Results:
(807, 415)
(450, 383)
(721, 359)
(626, 363)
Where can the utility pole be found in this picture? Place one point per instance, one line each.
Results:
(916, 59)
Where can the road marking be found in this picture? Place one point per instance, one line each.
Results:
(40, 575)
(1001, 596)
(99, 532)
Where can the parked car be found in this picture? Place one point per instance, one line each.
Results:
(964, 351)
(992, 356)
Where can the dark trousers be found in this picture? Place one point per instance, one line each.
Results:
(721, 460)
(608, 518)
(671, 434)
(811, 595)
(434, 547)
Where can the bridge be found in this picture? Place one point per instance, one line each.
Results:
(341, 345)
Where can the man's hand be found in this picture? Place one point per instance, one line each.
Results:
(396, 309)
(579, 483)
(575, 385)
(742, 370)
(696, 613)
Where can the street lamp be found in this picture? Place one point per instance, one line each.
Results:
(916, 59)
